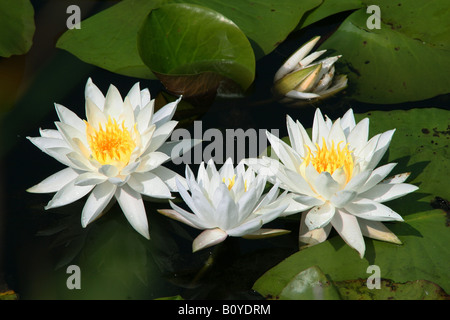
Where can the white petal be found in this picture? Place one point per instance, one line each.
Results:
(300, 203)
(89, 178)
(177, 216)
(161, 134)
(371, 210)
(357, 181)
(135, 96)
(68, 194)
(92, 92)
(165, 114)
(169, 177)
(382, 146)
(198, 203)
(265, 233)
(342, 198)
(246, 228)
(109, 170)
(377, 230)
(287, 155)
(359, 135)
(294, 59)
(336, 134)
(208, 238)
(293, 94)
(348, 122)
(226, 214)
(348, 228)
(54, 182)
(386, 192)
(319, 129)
(144, 117)
(113, 102)
(97, 201)
(193, 219)
(325, 185)
(376, 176)
(320, 216)
(295, 136)
(69, 133)
(94, 114)
(47, 143)
(150, 185)
(398, 178)
(69, 117)
(50, 133)
(312, 237)
(133, 207)
(152, 161)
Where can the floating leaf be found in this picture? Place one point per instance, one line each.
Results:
(108, 39)
(192, 59)
(17, 27)
(402, 61)
(265, 23)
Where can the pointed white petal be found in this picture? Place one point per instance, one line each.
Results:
(169, 177)
(320, 216)
(69, 117)
(135, 96)
(382, 146)
(97, 201)
(359, 135)
(376, 176)
(208, 238)
(54, 182)
(398, 178)
(113, 102)
(385, 192)
(68, 194)
(265, 233)
(348, 228)
(336, 134)
(325, 185)
(287, 155)
(92, 92)
(193, 219)
(371, 210)
(149, 184)
(377, 230)
(109, 170)
(226, 213)
(294, 94)
(161, 134)
(89, 178)
(152, 161)
(94, 114)
(246, 228)
(132, 206)
(312, 237)
(177, 216)
(342, 198)
(319, 128)
(294, 59)
(165, 114)
(348, 122)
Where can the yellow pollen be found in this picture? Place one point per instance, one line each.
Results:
(232, 181)
(330, 160)
(110, 144)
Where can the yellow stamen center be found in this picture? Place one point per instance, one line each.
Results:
(232, 181)
(110, 144)
(330, 160)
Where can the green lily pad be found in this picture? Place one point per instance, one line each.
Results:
(389, 290)
(420, 145)
(108, 39)
(403, 60)
(174, 43)
(17, 27)
(265, 23)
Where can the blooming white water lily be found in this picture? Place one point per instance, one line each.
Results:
(301, 77)
(227, 202)
(334, 176)
(117, 153)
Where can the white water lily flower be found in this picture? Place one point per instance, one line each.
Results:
(117, 153)
(227, 202)
(301, 77)
(334, 176)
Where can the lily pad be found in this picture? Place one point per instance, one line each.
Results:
(174, 43)
(401, 61)
(108, 39)
(17, 27)
(424, 253)
(265, 23)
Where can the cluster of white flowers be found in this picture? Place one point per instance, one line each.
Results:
(119, 151)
